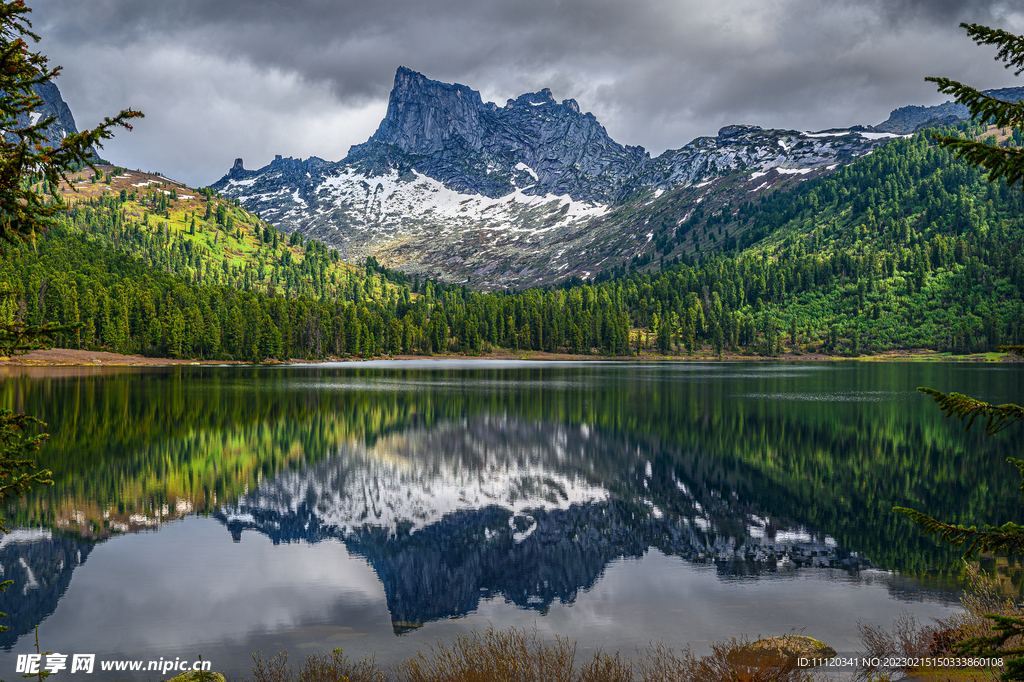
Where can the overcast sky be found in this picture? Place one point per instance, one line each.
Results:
(226, 79)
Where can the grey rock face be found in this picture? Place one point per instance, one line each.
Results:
(471, 146)
(52, 105)
(424, 115)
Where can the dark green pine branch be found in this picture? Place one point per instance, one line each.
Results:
(1007, 538)
(1000, 162)
(1006, 628)
(1011, 47)
(997, 417)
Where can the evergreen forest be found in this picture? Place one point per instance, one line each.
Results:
(906, 248)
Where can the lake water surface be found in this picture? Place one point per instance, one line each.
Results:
(379, 506)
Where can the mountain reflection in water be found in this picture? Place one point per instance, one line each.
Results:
(462, 484)
(465, 511)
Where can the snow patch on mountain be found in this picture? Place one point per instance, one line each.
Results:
(880, 136)
(388, 206)
(523, 167)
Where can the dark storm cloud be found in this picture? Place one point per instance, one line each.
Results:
(254, 78)
(942, 12)
(353, 45)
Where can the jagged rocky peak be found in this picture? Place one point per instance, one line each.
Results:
(532, 98)
(542, 97)
(238, 171)
(533, 143)
(423, 114)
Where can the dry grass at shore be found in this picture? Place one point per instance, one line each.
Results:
(909, 639)
(516, 655)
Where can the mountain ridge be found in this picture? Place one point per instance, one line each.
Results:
(912, 119)
(527, 194)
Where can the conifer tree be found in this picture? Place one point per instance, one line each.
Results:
(1000, 162)
(25, 210)
(1007, 164)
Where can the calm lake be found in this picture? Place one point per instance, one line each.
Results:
(380, 506)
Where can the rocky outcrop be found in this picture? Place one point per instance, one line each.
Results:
(907, 120)
(425, 116)
(533, 142)
(787, 652)
(51, 106)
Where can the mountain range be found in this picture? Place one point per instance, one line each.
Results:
(530, 193)
(535, 191)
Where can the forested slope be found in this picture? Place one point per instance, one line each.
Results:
(906, 248)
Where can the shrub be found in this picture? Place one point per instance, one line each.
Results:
(909, 638)
(511, 655)
(330, 667)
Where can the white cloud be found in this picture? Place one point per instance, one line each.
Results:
(202, 112)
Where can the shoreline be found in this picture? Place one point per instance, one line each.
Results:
(65, 357)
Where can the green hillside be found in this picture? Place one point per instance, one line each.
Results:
(202, 237)
(146, 265)
(906, 248)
